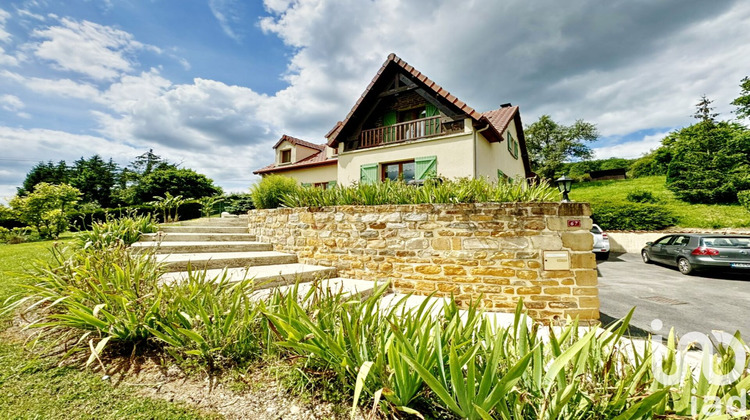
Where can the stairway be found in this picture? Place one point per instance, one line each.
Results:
(220, 245)
(217, 245)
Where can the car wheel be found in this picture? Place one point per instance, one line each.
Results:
(604, 255)
(645, 257)
(684, 266)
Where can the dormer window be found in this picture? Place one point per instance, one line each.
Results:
(286, 156)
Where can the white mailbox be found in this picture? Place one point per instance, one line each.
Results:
(556, 260)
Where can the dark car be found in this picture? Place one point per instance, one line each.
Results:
(690, 252)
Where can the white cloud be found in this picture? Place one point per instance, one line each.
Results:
(4, 35)
(11, 103)
(29, 14)
(97, 51)
(60, 87)
(226, 13)
(631, 149)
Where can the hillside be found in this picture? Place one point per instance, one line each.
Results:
(712, 216)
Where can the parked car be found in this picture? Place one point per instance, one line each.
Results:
(691, 252)
(601, 243)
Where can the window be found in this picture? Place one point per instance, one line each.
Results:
(664, 241)
(398, 171)
(286, 156)
(321, 185)
(681, 240)
(512, 145)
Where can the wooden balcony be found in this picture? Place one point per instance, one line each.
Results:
(406, 131)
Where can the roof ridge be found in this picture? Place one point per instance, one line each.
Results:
(296, 141)
(429, 83)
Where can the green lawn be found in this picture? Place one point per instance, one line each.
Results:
(689, 215)
(34, 387)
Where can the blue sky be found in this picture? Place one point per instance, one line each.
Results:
(212, 84)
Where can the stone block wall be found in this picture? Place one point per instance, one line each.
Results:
(492, 251)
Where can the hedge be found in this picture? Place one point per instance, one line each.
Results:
(632, 216)
(83, 220)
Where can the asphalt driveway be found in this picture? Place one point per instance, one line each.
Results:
(701, 303)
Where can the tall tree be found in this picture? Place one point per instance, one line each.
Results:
(704, 111)
(45, 172)
(743, 101)
(95, 179)
(175, 181)
(550, 144)
(710, 161)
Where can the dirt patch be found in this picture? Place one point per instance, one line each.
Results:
(264, 398)
(257, 394)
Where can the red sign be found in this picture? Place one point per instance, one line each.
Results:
(574, 223)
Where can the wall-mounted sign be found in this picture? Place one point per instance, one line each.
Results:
(574, 223)
(556, 260)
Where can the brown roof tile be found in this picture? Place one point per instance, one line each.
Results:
(392, 58)
(500, 118)
(317, 159)
(299, 142)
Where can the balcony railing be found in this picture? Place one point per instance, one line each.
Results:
(410, 130)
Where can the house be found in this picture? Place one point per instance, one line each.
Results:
(308, 163)
(606, 174)
(405, 126)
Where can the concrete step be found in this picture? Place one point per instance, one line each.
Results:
(338, 285)
(202, 229)
(265, 276)
(179, 247)
(208, 260)
(197, 237)
(211, 221)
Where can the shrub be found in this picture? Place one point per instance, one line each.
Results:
(744, 198)
(432, 192)
(633, 216)
(642, 196)
(100, 296)
(124, 230)
(46, 208)
(238, 203)
(15, 235)
(270, 191)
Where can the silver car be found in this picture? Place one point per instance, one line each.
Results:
(691, 252)
(601, 243)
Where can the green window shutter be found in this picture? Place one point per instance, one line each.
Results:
(515, 149)
(501, 175)
(426, 167)
(431, 110)
(331, 184)
(305, 184)
(431, 126)
(389, 118)
(368, 174)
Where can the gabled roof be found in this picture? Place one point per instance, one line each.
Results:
(500, 118)
(297, 142)
(492, 134)
(316, 159)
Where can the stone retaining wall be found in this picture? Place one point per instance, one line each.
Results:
(492, 250)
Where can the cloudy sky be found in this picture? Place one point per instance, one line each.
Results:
(212, 84)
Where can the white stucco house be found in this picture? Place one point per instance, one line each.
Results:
(405, 126)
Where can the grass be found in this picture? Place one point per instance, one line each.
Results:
(33, 387)
(713, 216)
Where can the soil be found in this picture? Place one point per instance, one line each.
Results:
(262, 396)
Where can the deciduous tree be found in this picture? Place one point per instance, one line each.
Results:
(46, 208)
(550, 144)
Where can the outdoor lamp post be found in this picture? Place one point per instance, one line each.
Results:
(563, 184)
